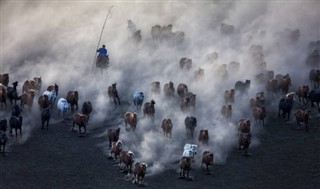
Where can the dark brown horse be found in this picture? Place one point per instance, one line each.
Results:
(43, 102)
(244, 125)
(182, 90)
(244, 142)
(113, 93)
(3, 136)
(167, 127)
(207, 159)
(87, 108)
(148, 109)
(72, 99)
(185, 166)
(4, 79)
(203, 136)
(139, 171)
(155, 87)
(168, 89)
(113, 136)
(12, 93)
(3, 98)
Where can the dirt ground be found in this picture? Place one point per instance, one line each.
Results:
(59, 158)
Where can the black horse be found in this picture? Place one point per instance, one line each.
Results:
(45, 117)
(16, 110)
(16, 123)
(286, 105)
(12, 93)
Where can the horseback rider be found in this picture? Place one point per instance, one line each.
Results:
(103, 57)
(102, 51)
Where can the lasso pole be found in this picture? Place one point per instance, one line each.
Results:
(95, 57)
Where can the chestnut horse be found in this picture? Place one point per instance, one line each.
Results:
(167, 127)
(185, 166)
(131, 119)
(126, 158)
(81, 120)
(139, 171)
(72, 99)
(207, 159)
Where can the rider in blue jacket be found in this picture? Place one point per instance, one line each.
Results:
(102, 51)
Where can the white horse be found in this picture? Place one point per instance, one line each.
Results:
(189, 150)
(62, 106)
(52, 96)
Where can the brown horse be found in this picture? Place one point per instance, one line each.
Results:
(207, 159)
(3, 97)
(284, 82)
(226, 112)
(182, 90)
(185, 166)
(244, 125)
(81, 120)
(116, 148)
(303, 94)
(4, 79)
(148, 109)
(198, 74)
(155, 87)
(167, 127)
(139, 171)
(27, 99)
(34, 84)
(168, 89)
(131, 119)
(126, 158)
(259, 113)
(203, 136)
(185, 63)
(87, 108)
(43, 102)
(188, 103)
(314, 77)
(244, 142)
(53, 87)
(72, 99)
(229, 96)
(113, 93)
(113, 136)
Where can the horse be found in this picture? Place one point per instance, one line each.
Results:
(167, 127)
(148, 109)
(45, 117)
(126, 158)
(242, 87)
(285, 105)
(244, 140)
(168, 89)
(81, 120)
(34, 84)
(12, 93)
(189, 150)
(185, 63)
(226, 112)
(116, 148)
(113, 93)
(182, 89)
(207, 159)
(314, 77)
(155, 87)
(62, 106)
(52, 96)
(244, 125)
(3, 142)
(87, 108)
(3, 97)
(188, 102)
(27, 99)
(229, 96)
(259, 113)
(284, 82)
(203, 136)
(43, 102)
(102, 62)
(4, 79)
(131, 119)
(185, 166)
(16, 111)
(113, 136)
(54, 87)
(198, 74)
(190, 123)
(139, 171)
(72, 99)
(16, 123)
(138, 98)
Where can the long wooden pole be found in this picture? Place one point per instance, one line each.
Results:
(95, 57)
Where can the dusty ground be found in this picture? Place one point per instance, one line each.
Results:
(59, 158)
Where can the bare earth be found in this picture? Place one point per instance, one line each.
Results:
(59, 158)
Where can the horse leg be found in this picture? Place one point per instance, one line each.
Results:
(47, 124)
(118, 99)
